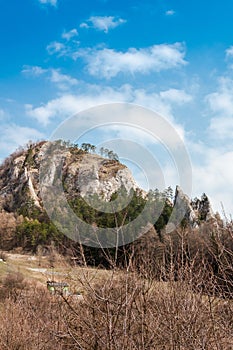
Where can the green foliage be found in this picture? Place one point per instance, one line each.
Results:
(32, 233)
(105, 152)
(105, 219)
(161, 207)
(29, 210)
(29, 160)
(88, 147)
(37, 229)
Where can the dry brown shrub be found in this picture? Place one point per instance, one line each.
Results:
(3, 256)
(122, 311)
(129, 312)
(12, 285)
(32, 321)
(187, 304)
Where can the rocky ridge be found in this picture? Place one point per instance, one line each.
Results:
(193, 211)
(83, 174)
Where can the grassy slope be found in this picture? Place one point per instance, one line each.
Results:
(38, 270)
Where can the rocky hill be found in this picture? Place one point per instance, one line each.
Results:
(81, 173)
(24, 221)
(193, 211)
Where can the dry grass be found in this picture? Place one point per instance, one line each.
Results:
(182, 300)
(119, 311)
(125, 311)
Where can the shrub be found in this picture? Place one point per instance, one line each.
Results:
(3, 256)
(12, 286)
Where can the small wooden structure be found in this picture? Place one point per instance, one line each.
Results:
(61, 288)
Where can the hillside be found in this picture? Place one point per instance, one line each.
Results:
(100, 190)
(171, 287)
(83, 173)
(85, 176)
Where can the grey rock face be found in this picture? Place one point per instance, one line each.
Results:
(203, 208)
(184, 209)
(82, 174)
(193, 212)
(94, 179)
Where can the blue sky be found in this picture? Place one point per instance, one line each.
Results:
(59, 57)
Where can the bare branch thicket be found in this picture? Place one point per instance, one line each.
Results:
(173, 295)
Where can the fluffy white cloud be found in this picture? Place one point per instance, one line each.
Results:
(70, 104)
(67, 47)
(229, 52)
(102, 23)
(170, 12)
(34, 70)
(221, 102)
(221, 128)
(177, 96)
(221, 106)
(49, 2)
(3, 114)
(41, 114)
(155, 132)
(84, 25)
(214, 174)
(69, 35)
(57, 48)
(108, 63)
(229, 57)
(214, 177)
(55, 76)
(63, 81)
(13, 135)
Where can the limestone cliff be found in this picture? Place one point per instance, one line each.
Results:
(192, 211)
(82, 174)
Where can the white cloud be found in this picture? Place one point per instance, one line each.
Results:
(229, 57)
(49, 2)
(70, 104)
(103, 23)
(214, 177)
(221, 128)
(214, 174)
(66, 48)
(55, 76)
(33, 70)
(12, 136)
(221, 103)
(229, 52)
(221, 106)
(62, 80)
(3, 114)
(170, 13)
(108, 63)
(41, 114)
(56, 48)
(84, 25)
(69, 35)
(177, 96)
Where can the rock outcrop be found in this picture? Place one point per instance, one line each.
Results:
(202, 208)
(103, 177)
(83, 174)
(80, 174)
(193, 212)
(184, 209)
